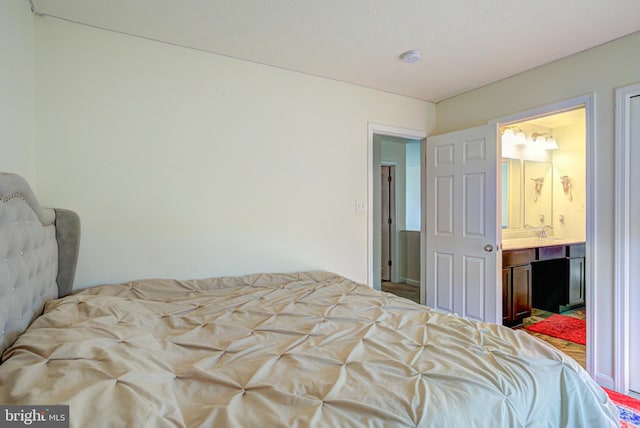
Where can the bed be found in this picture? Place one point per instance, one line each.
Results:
(290, 349)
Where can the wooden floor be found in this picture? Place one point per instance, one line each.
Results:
(574, 350)
(411, 292)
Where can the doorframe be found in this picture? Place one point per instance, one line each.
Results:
(393, 212)
(588, 101)
(621, 282)
(392, 131)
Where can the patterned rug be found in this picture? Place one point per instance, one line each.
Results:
(629, 409)
(566, 328)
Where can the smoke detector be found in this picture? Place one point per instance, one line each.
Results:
(410, 57)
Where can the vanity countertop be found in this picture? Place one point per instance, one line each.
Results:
(520, 243)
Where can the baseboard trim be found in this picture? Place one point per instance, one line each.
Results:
(410, 281)
(604, 380)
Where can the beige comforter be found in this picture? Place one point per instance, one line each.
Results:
(308, 349)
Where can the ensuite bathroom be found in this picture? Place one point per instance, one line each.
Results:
(544, 223)
(543, 179)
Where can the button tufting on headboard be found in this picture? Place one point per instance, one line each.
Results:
(26, 249)
(38, 256)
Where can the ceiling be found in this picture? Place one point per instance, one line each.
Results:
(464, 44)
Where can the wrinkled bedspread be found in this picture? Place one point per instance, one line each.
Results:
(306, 349)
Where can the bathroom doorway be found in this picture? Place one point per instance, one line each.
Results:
(544, 228)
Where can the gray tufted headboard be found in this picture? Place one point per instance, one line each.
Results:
(38, 255)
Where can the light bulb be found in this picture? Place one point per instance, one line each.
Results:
(508, 137)
(519, 138)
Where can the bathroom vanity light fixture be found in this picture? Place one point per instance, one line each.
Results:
(537, 189)
(544, 141)
(567, 186)
(512, 135)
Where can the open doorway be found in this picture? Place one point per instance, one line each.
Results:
(396, 262)
(399, 216)
(544, 228)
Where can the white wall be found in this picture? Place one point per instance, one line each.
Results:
(187, 164)
(600, 71)
(570, 160)
(413, 187)
(17, 99)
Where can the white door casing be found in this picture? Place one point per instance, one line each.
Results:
(627, 257)
(634, 248)
(462, 243)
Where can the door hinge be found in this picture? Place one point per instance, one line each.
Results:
(389, 262)
(389, 220)
(389, 178)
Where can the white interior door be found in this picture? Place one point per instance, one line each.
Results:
(634, 247)
(461, 251)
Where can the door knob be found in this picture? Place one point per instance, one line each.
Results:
(488, 248)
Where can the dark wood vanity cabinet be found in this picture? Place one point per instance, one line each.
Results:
(559, 279)
(516, 285)
(551, 278)
(576, 286)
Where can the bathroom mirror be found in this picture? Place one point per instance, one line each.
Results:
(538, 197)
(511, 193)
